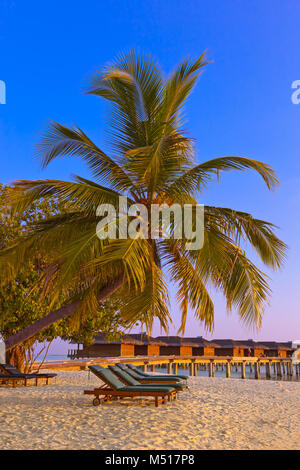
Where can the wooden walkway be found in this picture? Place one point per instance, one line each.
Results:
(273, 366)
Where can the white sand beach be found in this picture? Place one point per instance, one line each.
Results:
(215, 413)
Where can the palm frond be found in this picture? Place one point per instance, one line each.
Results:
(196, 179)
(83, 195)
(177, 89)
(247, 290)
(259, 233)
(191, 290)
(58, 141)
(148, 304)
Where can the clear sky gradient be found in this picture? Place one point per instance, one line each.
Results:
(241, 106)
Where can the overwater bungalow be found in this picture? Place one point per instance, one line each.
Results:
(230, 347)
(176, 346)
(149, 347)
(291, 347)
(277, 349)
(254, 349)
(102, 348)
(203, 347)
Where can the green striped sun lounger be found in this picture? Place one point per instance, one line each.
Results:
(114, 388)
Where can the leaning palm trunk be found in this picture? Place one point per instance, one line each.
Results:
(57, 315)
(153, 163)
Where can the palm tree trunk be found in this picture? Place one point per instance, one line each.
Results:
(56, 315)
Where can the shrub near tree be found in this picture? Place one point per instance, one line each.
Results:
(23, 302)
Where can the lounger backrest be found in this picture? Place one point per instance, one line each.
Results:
(10, 369)
(137, 370)
(124, 375)
(132, 372)
(107, 376)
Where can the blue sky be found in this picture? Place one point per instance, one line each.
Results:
(241, 106)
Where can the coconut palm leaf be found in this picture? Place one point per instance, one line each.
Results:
(196, 179)
(58, 141)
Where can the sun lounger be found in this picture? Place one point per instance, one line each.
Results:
(128, 379)
(169, 376)
(13, 372)
(5, 379)
(113, 387)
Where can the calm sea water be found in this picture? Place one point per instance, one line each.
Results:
(57, 357)
(235, 374)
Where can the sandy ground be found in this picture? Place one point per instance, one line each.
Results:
(216, 413)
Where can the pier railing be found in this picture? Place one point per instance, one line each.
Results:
(273, 366)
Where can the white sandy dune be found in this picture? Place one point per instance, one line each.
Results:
(216, 413)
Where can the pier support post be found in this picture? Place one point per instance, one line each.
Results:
(284, 368)
(268, 370)
(145, 367)
(211, 369)
(170, 368)
(175, 368)
(257, 370)
(279, 369)
(153, 367)
(228, 369)
(243, 370)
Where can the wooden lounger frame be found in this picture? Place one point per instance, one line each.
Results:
(106, 392)
(15, 378)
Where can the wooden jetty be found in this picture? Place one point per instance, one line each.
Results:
(269, 366)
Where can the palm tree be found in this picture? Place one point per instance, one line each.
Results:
(151, 161)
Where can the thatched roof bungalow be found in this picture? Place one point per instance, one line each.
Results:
(175, 346)
(278, 349)
(149, 347)
(230, 347)
(103, 348)
(255, 349)
(203, 347)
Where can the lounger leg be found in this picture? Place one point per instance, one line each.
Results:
(36, 381)
(156, 401)
(47, 381)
